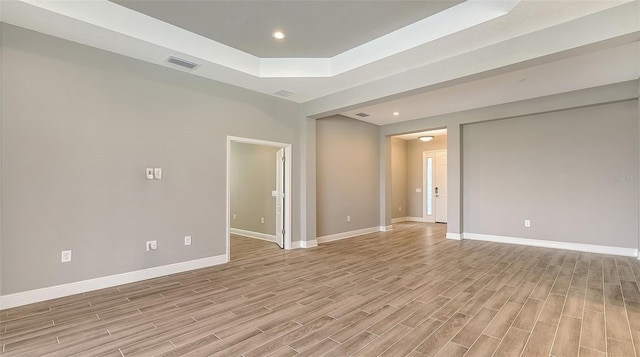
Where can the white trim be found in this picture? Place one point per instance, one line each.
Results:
(580, 247)
(251, 234)
(454, 236)
(344, 235)
(304, 244)
(385, 228)
(409, 219)
(53, 292)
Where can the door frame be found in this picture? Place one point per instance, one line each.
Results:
(287, 189)
(425, 154)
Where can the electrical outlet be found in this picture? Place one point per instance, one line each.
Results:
(400, 208)
(234, 216)
(261, 219)
(187, 240)
(348, 218)
(527, 223)
(152, 245)
(66, 256)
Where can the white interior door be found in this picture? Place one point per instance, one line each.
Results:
(280, 201)
(428, 211)
(440, 189)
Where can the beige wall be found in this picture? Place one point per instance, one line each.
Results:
(252, 178)
(347, 175)
(79, 127)
(415, 148)
(399, 177)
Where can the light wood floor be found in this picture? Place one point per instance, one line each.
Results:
(406, 292)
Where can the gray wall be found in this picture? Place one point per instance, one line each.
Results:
(79, 127)
(252, 178)
(573, 173)
(592, 97)
(625, 91)
(399, 177)
(347, 170)
(1, 270)
(415, 148)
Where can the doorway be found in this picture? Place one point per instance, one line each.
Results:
(274, 198)
(434, 186)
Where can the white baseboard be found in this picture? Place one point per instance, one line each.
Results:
(385, 228)
(304, 244)
(454, 236)
(590, 248)
(344, 235)
(53, 292)
(251, 234)
(409, 219)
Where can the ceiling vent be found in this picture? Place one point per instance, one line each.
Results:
(362, 115)
(284, 93)
(182, 62)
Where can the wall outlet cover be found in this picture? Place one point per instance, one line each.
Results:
(66, 256)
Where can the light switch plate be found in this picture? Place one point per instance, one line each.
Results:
(157, 173)
(149, 172)
(152, 245)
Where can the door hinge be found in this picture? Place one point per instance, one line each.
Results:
(283, 232)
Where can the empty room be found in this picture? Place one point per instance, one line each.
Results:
(320, 178)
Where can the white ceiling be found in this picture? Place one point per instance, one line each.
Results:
(612, 65)
(477, 53)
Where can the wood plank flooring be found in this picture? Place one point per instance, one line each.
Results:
(408, 292)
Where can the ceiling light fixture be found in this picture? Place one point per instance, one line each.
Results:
(396, 113)
(425, 138)
(278, 35)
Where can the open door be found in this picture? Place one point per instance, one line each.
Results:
(280, 197)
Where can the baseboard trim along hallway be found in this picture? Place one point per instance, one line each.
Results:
(349, 234)
(53, 292)
(579, 247)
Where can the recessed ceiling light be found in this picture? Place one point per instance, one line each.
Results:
(278, 35)
(396, 113)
